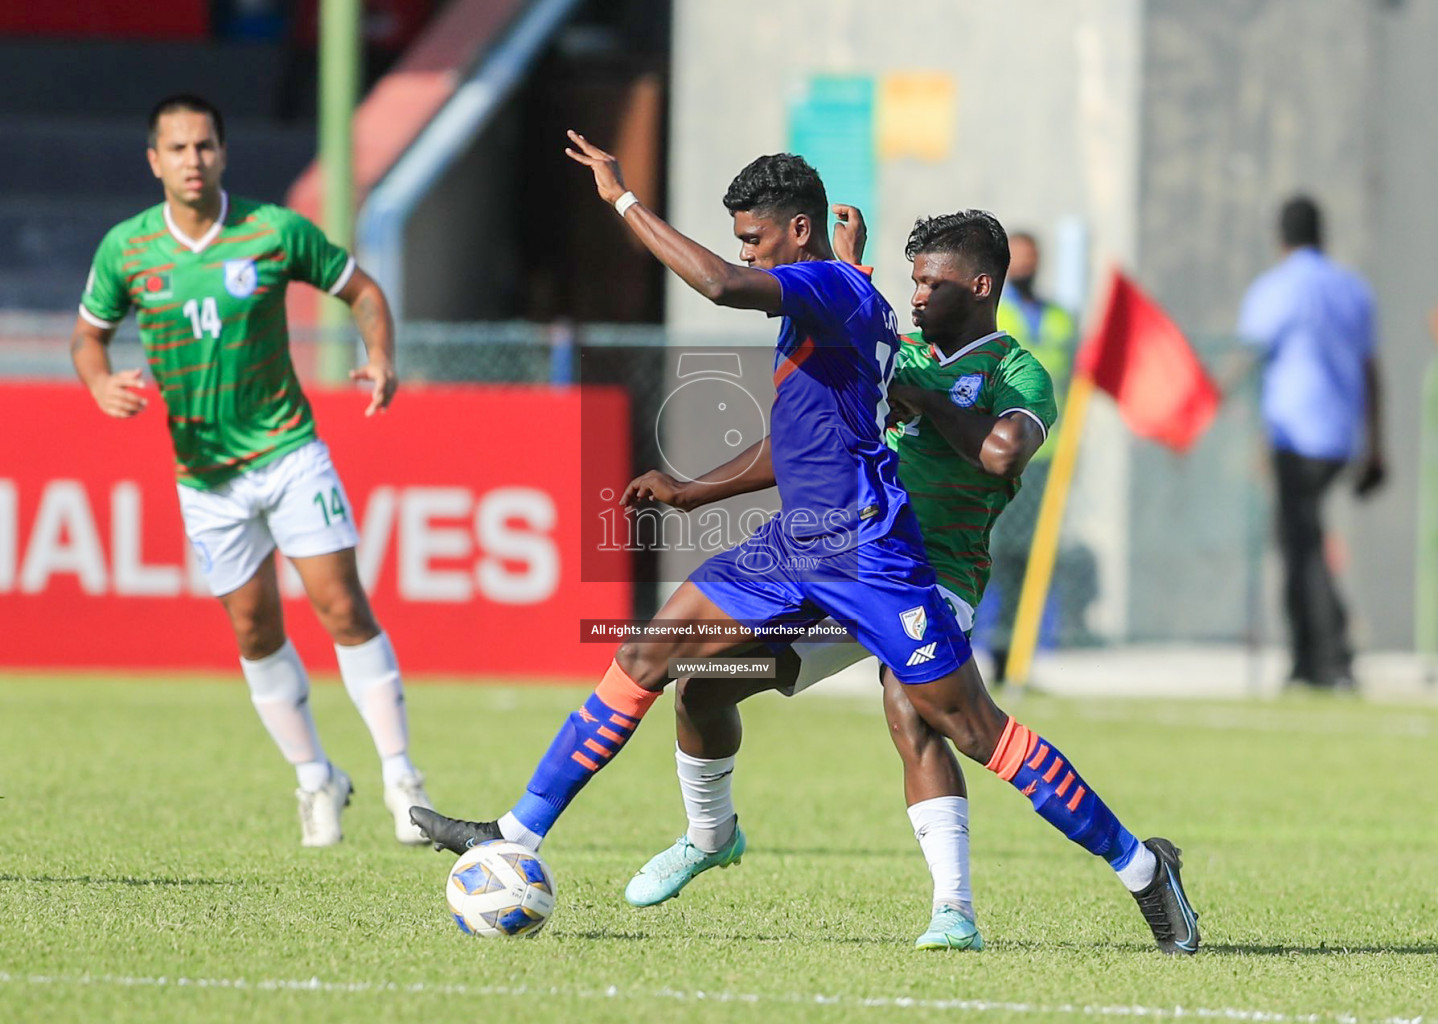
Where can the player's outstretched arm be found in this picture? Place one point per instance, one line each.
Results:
(117, 394)
(375, 323)
(750, 470)
(721, 282)
(999, 445)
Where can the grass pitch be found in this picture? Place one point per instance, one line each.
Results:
(150, 868)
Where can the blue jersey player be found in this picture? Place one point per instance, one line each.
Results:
(845, 545)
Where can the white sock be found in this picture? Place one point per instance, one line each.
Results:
(1138, 874)
(371, 675)
(313, 775)
(708, 799)
(941, 826)
(280, 692)
(396, 768)
(516, 832)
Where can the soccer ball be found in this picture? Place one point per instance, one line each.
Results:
(500, 888)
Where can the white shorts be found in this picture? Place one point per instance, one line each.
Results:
(295, 503)
(818, 660)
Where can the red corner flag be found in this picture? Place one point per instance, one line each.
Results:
(1140, 357)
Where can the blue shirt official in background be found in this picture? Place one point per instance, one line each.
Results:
(1312, 322)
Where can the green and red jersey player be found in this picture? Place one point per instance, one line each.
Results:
(205, 274)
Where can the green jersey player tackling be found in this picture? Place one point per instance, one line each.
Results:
(971, 407)
(956, 498)
(206, 275)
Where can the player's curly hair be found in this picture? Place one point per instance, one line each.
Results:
(975, 235)
(186, 101)
(779, 184)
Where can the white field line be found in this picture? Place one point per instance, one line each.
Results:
(612, 992)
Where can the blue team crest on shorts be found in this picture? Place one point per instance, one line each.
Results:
(241, 278)
(915, 621)
(965, 391)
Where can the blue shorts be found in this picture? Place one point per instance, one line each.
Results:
(882, 591)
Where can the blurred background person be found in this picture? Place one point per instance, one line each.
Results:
(1049, 333)
(1312, 323)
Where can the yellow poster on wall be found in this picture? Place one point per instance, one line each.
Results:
(916, 112)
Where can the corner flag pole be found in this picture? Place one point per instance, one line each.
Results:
(339, 91)
(1043, 552)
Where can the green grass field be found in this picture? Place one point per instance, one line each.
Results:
(150, 868)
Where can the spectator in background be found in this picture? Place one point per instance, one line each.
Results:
(1048, 331)
(1312, 323)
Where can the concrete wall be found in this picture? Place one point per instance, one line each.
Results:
(1171, 129)
(1403, 260)
(1246, 102)
(1045, 122)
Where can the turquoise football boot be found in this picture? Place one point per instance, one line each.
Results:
(670, 871)
(950, 929)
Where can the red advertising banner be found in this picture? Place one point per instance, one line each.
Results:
(153, 19)
(467, 501)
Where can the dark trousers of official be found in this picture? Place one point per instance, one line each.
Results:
(1317, 622)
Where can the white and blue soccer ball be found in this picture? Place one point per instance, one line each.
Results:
(499, 888)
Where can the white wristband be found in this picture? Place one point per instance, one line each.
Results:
(624, 202)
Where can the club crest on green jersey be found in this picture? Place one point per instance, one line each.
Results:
(965, 391)
(241, 278)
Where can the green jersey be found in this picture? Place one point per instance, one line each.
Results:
(211, 313)
(956, 502)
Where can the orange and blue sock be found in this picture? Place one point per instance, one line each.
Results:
(587, 741)
(1040, 772)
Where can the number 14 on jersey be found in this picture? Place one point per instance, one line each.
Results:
(204, 317)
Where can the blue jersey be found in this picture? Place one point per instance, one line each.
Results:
(837, 478)
(845, 544)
